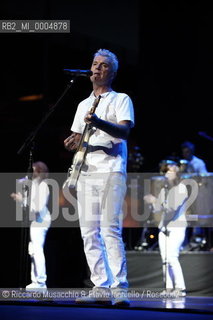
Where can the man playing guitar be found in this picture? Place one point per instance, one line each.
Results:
(101, 184)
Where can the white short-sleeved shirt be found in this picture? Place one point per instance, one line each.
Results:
(105, 153)
(196, 165)
(39, 200)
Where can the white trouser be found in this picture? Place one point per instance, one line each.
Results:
(100, 201)
(38, 233)
(169, 249)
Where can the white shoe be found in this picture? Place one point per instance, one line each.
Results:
(180, 293)
(36, 286)
(173, 293)
(120, 297)
(167, 294)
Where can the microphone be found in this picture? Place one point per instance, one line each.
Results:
(78, 72)
(22, 179)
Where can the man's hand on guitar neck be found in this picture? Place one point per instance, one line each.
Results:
(91, 118)
(71, 143)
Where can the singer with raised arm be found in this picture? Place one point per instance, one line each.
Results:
(40, 223)
(101, 184)
(172, 227)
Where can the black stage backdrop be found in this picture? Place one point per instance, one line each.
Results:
(165, 54)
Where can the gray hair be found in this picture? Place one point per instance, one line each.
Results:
(110, 55)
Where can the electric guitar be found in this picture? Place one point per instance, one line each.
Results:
(80, 154)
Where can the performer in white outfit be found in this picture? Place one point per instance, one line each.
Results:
(171, 203)
(40, 224)
(195, 164)
(102, 183)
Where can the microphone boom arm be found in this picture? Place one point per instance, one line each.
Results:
(32, 135)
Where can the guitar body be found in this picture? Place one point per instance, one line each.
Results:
(78, 161)
(79, 157)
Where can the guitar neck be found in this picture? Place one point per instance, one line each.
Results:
(95, 104)
(88, 126)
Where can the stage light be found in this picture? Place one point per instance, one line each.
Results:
(32, 97)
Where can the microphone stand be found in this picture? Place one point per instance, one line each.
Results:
(33, 134)
(23, 267)
(30, 142)
(166, 188)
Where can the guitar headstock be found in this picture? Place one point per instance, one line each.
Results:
(95, 104)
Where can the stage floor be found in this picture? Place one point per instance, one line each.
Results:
(188, 307)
